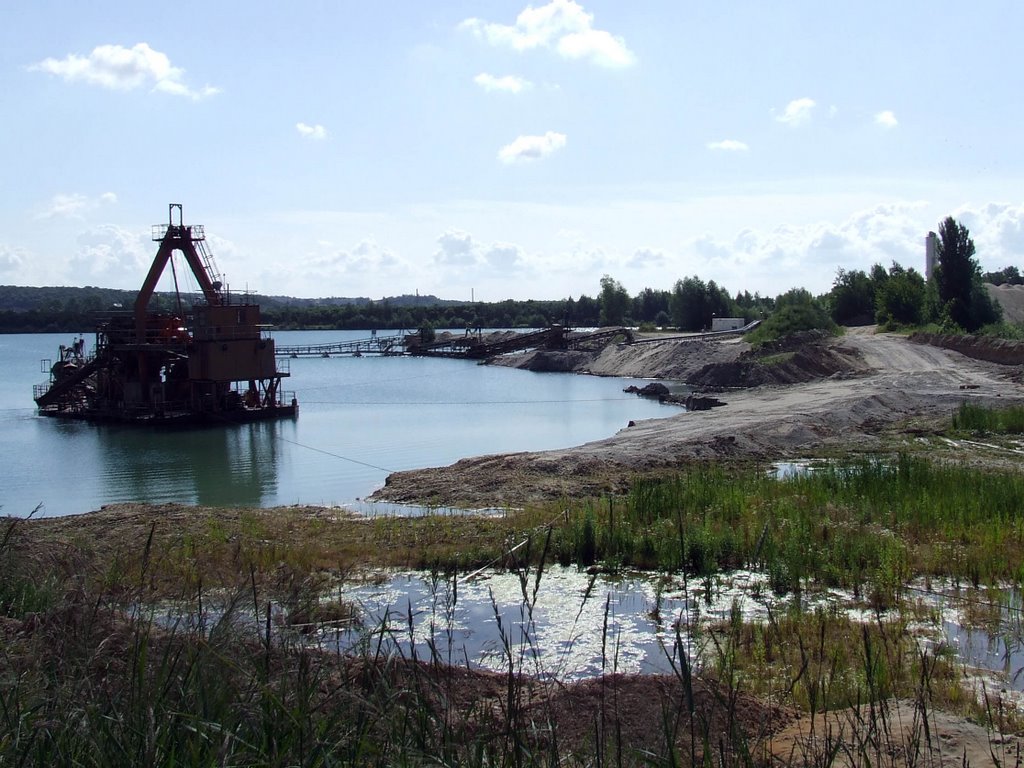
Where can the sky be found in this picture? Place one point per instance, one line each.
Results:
(499, 149)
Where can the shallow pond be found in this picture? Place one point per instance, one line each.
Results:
(576, 625)
(573, 625)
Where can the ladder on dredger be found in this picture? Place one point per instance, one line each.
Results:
(48, 396)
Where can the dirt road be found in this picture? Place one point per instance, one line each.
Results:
(897, 383)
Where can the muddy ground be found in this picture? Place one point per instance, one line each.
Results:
(861, 391)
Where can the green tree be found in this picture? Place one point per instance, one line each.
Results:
(694, 303)
(1005, 276)
(962, 299)
(648, 304)
(587, 312)
(718, 303)
(900, 298)
(687, 304)
(614, 301)
(852, 299)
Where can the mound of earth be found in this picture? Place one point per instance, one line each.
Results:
(652, 358)
(994, 350)
(892, 733)
(648, 715)
(798, 358)
(1011, 299)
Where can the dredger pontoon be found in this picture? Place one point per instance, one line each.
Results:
(213, 362)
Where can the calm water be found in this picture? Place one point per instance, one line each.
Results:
(360, 419)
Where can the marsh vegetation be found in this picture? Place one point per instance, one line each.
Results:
(245, 667)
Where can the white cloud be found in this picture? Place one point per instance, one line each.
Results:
(507, 83)
(598, 46)
(10, 260)
(504, 257)
(459, 249)
(584, 258)
(327, 270)
(561, 25)
(120, 68)
(810, 255)
(456, 247)
(797, 112)
(315, 132)
(110, 255)
(647, 257)
(728, 145)
(528, 148)
(74, 205)
(886, 119)
(997, 230)
(366, 256)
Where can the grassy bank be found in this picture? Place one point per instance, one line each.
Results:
(92, 674)
(868, 524)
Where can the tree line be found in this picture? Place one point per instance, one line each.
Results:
(954, 298)
(690, 305)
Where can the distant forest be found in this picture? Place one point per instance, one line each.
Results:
(953, 299)
(690, 305)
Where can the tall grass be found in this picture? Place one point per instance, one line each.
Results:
(866, 524)
(977, 418)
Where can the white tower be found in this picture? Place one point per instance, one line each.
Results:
(931, 253)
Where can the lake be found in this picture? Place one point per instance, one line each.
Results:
(359, 420)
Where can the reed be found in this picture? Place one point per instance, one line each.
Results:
(971, 417)
(867, 524)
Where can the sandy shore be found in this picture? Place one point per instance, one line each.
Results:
(891, 386)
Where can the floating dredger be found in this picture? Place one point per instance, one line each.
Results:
(212, 362)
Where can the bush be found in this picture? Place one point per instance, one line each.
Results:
(796, 311)
(977, 418)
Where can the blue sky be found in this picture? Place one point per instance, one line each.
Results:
(502, 150)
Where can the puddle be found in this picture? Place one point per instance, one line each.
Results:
(784, 470)
(575, 625)
(985, 628)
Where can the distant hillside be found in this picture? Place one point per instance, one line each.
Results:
(58, 309)
(16, 298)
(403, 301)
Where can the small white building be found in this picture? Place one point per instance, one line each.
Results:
(727, 323)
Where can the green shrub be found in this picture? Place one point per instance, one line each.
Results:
(977, 418)
(795, 311)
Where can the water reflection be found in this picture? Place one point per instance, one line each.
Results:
(213, 466)
(576, 626)
(985, 627)
(573, 626)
